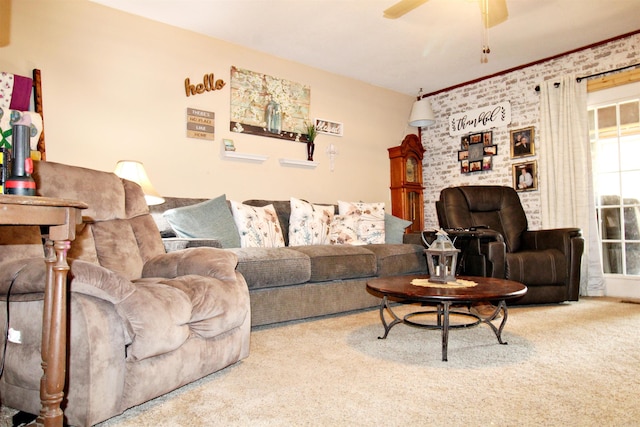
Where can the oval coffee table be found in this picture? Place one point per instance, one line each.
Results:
(442, 296)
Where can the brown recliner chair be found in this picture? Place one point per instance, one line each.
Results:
(546, 261)
(142, 322)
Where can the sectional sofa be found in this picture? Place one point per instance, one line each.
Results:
(300, 281)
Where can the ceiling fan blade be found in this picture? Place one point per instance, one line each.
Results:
(402, 7)
(498, 12)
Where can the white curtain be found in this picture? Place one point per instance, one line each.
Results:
(565, 176)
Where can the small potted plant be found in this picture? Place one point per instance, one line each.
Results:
(312, 132)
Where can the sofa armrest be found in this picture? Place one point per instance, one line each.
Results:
(172, 244)
(212, 262)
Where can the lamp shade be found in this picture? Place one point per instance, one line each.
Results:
(421, 114)
(133, 170)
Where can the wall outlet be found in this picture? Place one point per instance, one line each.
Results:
(14, 336)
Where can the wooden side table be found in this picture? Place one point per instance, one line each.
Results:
(61, 217)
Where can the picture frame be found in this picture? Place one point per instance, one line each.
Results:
(475, 138)
(228, 145)
(475, 166)
(464, 143)
(522, 142)
(463, 155)
(464, 166)
(328, 127)
(490, 150)
(525, 176)
(487, 163)
(487, 138)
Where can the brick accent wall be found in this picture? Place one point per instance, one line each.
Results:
(440, 165)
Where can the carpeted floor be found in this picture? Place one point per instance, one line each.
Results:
(575, 364)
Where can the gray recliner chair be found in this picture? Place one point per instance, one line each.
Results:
(546, 261)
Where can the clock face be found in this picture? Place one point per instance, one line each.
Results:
(412, 169)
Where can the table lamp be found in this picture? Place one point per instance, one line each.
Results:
(133, 170)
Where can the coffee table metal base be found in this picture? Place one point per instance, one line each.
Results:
(443, 311)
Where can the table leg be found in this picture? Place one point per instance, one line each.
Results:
(445, 330)
(387, 326)
(498, 331)
(54, 334)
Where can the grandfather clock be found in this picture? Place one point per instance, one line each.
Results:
(406, 181)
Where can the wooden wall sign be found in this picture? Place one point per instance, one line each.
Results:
(200, 124)
(209, 83)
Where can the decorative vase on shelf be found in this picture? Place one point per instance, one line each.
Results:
(310, 147)
(311, 136)
(273, 117)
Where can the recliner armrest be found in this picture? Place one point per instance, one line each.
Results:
(211, 262)
(555, 238)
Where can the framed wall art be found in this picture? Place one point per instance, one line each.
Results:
(525, 176)
(268, 106)
(329, 128)
(522, 142)
(476, 152)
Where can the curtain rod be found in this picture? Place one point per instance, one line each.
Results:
(579, 79)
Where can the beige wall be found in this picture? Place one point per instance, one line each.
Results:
(113, 88)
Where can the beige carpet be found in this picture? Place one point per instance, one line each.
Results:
(575, 364)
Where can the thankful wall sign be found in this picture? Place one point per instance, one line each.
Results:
(491, 116)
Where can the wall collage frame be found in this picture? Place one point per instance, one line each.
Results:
(476, 152)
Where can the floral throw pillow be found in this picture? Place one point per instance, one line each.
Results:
(309, 224)
(344, 230)
(370, 217)
(257, 226)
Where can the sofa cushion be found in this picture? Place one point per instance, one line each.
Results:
(211, 219)
(258, 226)
(283, 210)
(394, 228)
(336, 262)
(394, 259)
(344, 230)
(267, 267)
(309, 224)
(370, 218)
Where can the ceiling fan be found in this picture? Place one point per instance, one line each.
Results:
(494, 12)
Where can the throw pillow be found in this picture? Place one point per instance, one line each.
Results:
(210, 220)
(309, 224)
(257, 226)
(370, 217)
(344, 230)
(394, 228)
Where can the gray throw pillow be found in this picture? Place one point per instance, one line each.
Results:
(211, 220)
(394, 228)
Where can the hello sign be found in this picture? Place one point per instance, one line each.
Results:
(480, 119)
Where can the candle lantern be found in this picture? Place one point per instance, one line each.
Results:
(442, 257)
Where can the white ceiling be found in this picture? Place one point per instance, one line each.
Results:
(433, 47)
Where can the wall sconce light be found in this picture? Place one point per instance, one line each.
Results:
(134, 171)
(421, 113)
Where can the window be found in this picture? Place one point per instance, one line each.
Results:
(614, 132)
